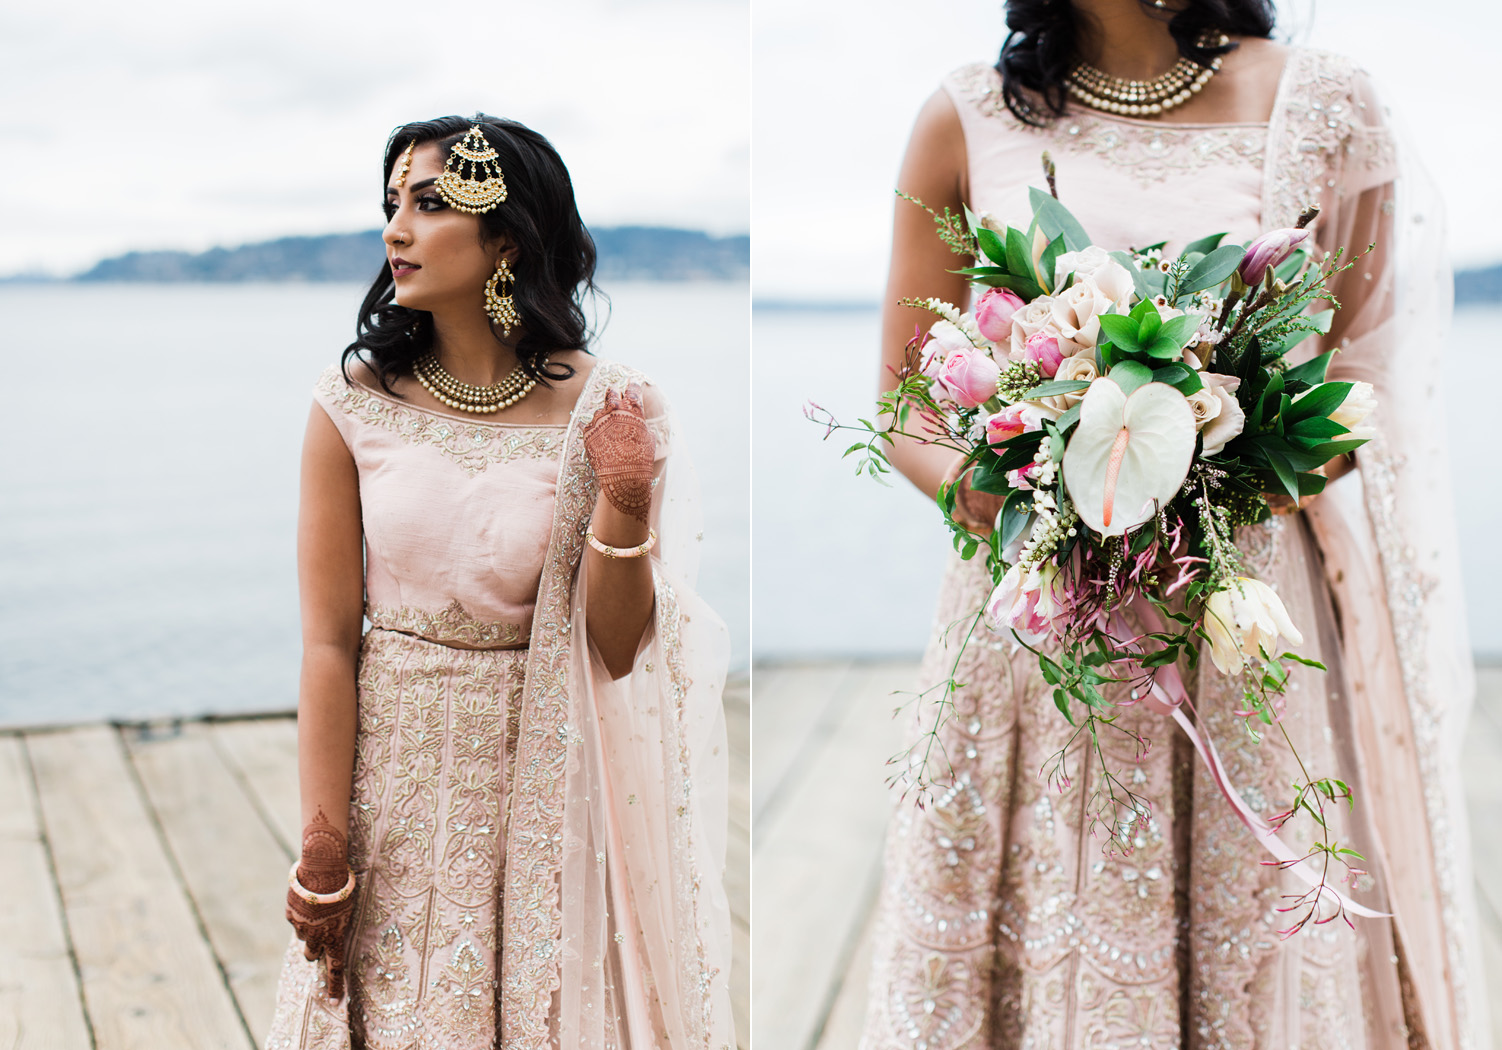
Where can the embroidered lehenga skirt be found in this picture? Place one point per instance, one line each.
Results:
(436, 737)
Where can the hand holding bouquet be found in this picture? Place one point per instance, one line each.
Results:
(1117, 416)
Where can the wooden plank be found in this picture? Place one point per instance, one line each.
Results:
(737, 700)
(798, 703)
(262, 752)
(740, 983)
(40, 1004)
(149, 978)
(842, 1030)
(234, 867)
(817, 856)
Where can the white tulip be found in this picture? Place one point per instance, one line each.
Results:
(1244, 622)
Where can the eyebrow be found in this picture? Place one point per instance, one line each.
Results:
(414, 187)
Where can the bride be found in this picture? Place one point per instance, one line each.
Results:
(1002, 923)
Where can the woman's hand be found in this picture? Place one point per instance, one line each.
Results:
(621, 451)
(975, 510)
(323, 928)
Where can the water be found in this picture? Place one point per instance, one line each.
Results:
(845, 567)
(148, 491)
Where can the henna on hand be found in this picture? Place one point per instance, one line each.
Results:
(323, 928)
(975, 510)
(621, 450)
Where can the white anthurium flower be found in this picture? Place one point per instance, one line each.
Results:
(1244, 621)
(1129, 454)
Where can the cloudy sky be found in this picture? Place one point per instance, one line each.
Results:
(154, 124)
(838, 83)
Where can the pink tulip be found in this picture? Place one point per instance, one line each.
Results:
(1271, 249)
(993, 313)
(969, 377)
(1011, 421)
(1042, 349)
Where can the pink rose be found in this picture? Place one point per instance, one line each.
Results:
(969, 377)
(993, 314)
(1013, 420)
(1042, 348)
(1271, 249)
(943, 339)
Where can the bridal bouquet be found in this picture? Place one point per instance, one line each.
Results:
(1120, 414)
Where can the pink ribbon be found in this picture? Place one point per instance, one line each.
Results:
(1169, 697)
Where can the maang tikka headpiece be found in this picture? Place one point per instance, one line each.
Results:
(471, 179)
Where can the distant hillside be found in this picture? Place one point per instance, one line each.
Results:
(649, 253)
(1479, 286)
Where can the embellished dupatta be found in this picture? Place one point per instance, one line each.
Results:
(615, 928)
(1387, 535)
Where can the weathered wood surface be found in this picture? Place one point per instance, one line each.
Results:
(142, 871)
(822, 734)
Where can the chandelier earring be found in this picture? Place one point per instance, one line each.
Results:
(498, 302)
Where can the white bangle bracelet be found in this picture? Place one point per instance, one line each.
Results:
(621, 552)
(319, 898)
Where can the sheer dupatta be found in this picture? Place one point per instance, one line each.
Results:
(1387, 535)
(615, 930)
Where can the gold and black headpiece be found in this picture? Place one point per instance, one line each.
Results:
(471, 179)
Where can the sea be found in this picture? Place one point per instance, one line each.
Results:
(845, 566)
(149, 448)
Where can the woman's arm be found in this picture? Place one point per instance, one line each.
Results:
(330, 570)
(618, 601)
(934, 171)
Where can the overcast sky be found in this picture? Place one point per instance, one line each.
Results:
(159, 124)
(838, 83)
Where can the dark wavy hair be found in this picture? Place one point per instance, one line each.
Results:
(1040, 46)
(555, 262)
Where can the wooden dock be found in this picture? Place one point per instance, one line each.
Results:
(822, 735)
(142, 874)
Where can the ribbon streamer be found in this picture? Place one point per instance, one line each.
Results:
(1168, 696)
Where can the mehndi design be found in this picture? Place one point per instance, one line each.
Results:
(621, 451)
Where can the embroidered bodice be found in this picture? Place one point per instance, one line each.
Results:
(456, 514)
(1130, 182)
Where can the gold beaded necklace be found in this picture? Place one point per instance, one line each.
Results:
(481, 400)
(1144, 98)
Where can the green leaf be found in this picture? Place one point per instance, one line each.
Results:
(993, 247)
(1122, 331)
(1179, 376)
(1019, 258)
(1070, 417)
(1205, 245)
(1311, 372)
(1296, 658)
(1015, 513)
(1139, 277)
(1053, 387)
(1285, 472)
(1055, 220)
(1160, 657)
(1318, 403)
(1180, 330)
(1129, 375)
(1061, 701)
(1148, 327)
(1053, 674)
(1025, 287)
(1315, 429)
(1330, 449)
(1212, 269)
(1047, 262)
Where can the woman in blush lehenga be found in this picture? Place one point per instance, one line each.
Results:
(1003, 922)
(513, 785)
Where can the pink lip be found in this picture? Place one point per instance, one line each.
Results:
(401, 267)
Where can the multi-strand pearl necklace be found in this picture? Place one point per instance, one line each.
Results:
(1144, 98)
(482, 400)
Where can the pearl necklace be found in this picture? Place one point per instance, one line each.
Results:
(1144, 98)
(481, 400)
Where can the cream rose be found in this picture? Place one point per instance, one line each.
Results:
(1028, 322)
(1095, 263)
(1226, 420)
(1076, 312)
(1081, 367)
